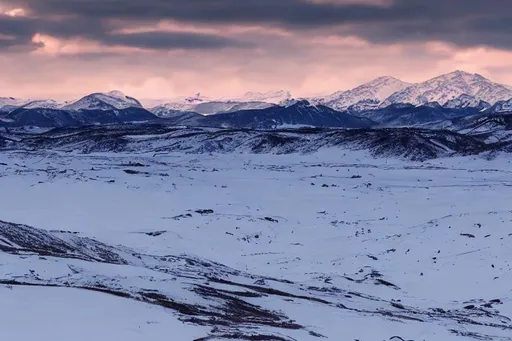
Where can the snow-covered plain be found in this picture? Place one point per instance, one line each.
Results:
(34, 313)
(344, 245)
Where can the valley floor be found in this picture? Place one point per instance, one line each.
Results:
(419, 251)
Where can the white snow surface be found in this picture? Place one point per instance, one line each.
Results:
(438, 232)
(30, 313)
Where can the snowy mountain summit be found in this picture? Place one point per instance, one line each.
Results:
(366, 96)
(273, 97)
(207, 106)
(456, 89)
(9, 103)
(451, 86)
(104, 101)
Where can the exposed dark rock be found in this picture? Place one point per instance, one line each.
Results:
(204, 212)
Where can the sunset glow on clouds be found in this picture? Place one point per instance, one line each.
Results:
(168, 48)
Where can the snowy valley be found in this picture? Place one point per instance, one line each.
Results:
(338, 241)
(377, 214)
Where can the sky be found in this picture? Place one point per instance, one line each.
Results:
(63, 49)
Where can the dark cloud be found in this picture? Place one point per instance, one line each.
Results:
(463, 32)
(286, 12)
(295, 13)
(462, 22)
(160, 40)
(21, 30)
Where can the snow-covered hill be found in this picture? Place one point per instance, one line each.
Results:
(415, 144)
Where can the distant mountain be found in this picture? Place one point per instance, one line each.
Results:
(46, 104)
(489, 128)
(274, 97)
(182, 118)
(114, 100)
(8, 104)
(501, 107)
(408, 115)
(446, 88)
(48, 117)
(41, 117)
(179, 104)
(415, 144)
(366, 96)
(301, 113)
(386, 101)
(97, 108)
(467, 101)
(458, 89)
(207, 108)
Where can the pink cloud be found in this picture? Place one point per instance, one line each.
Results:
(306, 62)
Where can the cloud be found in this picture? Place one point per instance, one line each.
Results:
(22, 29)
(162, 40)
(166, 48)
(464, 23)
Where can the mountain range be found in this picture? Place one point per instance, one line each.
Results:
(458, 89)
(383, 102)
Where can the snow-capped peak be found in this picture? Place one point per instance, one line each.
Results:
(208, 106)
(116, 94)
(273, 97)
(9, 103)
(196, 99)
(448, 87)
(376, 90)
(104, 101)
(187, 103)
(42, 104)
